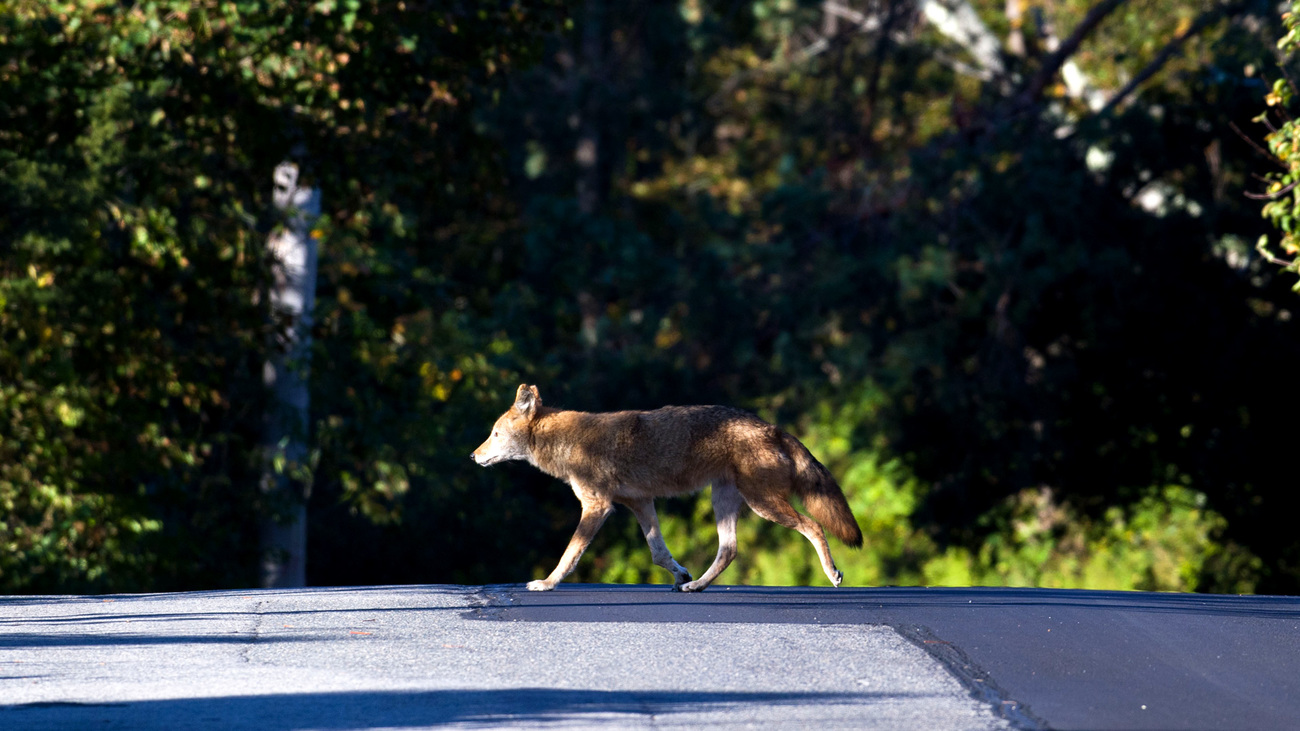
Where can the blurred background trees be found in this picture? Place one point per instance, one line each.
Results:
(993, 261)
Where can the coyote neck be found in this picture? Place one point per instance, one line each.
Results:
(551, 440)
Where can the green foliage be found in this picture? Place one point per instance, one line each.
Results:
(120, 374)
(1282, 208)
(137, 141)
(1165, 541)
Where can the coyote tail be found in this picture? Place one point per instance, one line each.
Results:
(821, 495)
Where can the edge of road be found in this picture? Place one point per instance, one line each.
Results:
(977, 681)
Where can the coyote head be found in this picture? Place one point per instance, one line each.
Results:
(509, 437)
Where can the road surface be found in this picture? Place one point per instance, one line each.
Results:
(633, 657)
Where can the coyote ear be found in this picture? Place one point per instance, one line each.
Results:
(526, 399)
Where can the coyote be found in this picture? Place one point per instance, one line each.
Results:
(633, 457)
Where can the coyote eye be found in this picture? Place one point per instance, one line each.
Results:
(494, 434)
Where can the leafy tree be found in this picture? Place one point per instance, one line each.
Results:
(138, 140)
(1282, 202)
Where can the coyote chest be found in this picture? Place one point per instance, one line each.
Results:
(631, 457)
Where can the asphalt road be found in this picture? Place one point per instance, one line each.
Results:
(1060, 659)
(603, 656)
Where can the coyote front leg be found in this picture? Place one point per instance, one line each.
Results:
(593, 516)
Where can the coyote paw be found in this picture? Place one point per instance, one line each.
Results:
(540, 586)
(838, 578)
(693, 586)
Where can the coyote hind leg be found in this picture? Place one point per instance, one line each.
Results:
(644, 510)
(726, 508)
(779, 511)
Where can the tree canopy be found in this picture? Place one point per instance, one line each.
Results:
(994, 262)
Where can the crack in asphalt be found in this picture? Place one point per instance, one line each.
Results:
(489, 602)
(254, 632)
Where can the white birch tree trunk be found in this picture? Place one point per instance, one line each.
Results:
(292, 297)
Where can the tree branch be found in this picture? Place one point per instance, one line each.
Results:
(1053, 63)
(1250, 141)
(1262, 248)
(882, 49)
(1270, 196)
(1203, 21)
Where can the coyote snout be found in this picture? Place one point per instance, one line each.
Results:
(633, 457)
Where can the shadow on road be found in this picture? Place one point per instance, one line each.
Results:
(519, 706)
(123, 639)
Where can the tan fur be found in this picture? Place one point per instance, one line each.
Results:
(633, 457)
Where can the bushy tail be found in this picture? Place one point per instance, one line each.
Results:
(821, 494)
